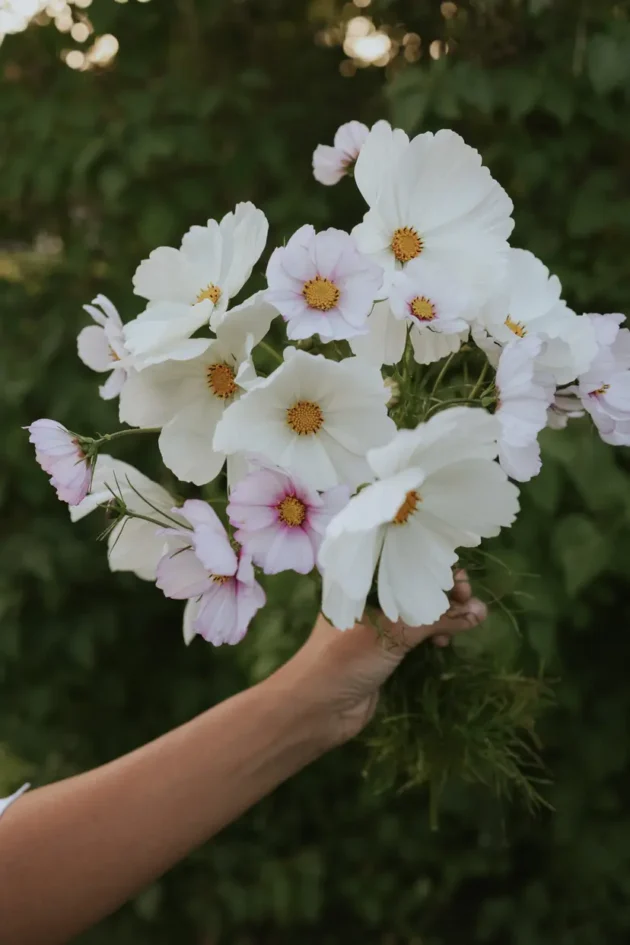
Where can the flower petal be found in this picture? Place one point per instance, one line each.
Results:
(94, 349)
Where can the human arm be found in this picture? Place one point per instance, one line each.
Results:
(83, 846)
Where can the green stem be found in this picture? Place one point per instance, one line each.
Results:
(480, 381)
(442, 373)
(272, 351)
(148, 518)
(108, 437)
(408, 359)
(144, 499)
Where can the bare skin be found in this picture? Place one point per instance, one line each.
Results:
(73, 852)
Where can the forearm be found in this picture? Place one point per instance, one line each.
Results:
(80, 848)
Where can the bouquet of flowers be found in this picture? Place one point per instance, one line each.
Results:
(365, 417)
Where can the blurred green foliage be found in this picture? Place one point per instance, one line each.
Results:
(208, 103)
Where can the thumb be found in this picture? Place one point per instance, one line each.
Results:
(459, 617)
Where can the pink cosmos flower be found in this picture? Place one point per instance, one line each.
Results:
(102, 346)
(321, 284)
(202, 567)
(331, 164)
(522, 410)
(428, 297)
(59, 453)
(281, 522)
(605, 388)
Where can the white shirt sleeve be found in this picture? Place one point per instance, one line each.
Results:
(7, 801)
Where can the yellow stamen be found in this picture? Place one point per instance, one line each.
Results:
(305, 417)
(423, 309)
(221, 382)
(406, 510)
(292, 511)
(601, 390)
(321, 294)
(211, 291)
(220, 578)
(406, 244)
(516, 328)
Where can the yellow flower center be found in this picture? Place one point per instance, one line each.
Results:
(212, 292)
(220, 578)
(601, 390)
(406, 510)
(321, 294)
(406, 244)
(112, 354)
(221, 382)
(305, 417)
(423, 309)
(292, 511)
(517, 328)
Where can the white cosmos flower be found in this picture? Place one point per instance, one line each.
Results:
(102, 346)
(433, 197)
(529, 302)
(133, 544)
(438, 489)
(522, 409)
(386, 337)
(383, 146)
(313, 417)
(188, 398)
(190, 287)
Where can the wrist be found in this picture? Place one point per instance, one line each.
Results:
(307, 715)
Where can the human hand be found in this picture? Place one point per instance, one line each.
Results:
(341, 673)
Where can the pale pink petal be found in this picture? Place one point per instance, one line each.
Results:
(328, 249)
(72, 480)
(51, 437)
(227, 609)
(255, 542)
(350, 138)
(307, 324)
(275, 545)
(290, 550)
(292, 303)
(617, 397)
(329, 165)
(253, 517)
(263, 486)
(332, 502)
(59, 454)
(181, 575)
(209, 538)
(217, 618)
(332, 256)
(278, 278)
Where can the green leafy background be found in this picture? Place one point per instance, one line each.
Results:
(212, 102)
